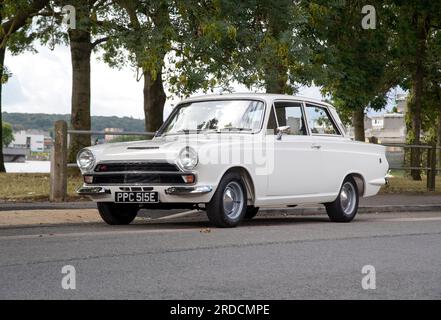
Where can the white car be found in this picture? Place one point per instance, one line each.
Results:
(233, 154)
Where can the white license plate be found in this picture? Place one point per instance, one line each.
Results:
(136, 197)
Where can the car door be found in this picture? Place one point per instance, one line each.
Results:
(326, 138)
(295, 157)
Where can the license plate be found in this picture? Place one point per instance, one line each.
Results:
(136, 197)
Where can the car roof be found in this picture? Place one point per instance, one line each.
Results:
(269, 97)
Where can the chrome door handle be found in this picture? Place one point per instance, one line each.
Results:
(316, 146)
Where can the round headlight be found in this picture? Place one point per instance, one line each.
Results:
(188, 158)
(85, 159)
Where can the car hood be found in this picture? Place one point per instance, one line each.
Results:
(160, 148)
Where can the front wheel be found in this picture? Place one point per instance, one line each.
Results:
(345, 207)
(228, 206)
(117, 214)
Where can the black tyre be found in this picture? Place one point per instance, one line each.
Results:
(251, 212)
(345, 207)
(117, 214)
(229, 203)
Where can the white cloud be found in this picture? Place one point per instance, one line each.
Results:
(42, 83)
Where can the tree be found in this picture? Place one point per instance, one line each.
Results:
(415, 24)
(7, 134)
(88, 34)
(268, 50)
(187, 34)
(15, 18)
(352, 64)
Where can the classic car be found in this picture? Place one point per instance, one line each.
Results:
(232, 154)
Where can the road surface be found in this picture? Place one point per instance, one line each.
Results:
(271, 257)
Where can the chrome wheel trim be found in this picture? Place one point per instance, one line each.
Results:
(348, 198)
(233, 200)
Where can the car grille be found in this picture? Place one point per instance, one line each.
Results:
(137, 173)
(138, 179)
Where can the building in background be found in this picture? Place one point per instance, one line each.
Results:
(29, 141)
(401, 102)
(386, 128)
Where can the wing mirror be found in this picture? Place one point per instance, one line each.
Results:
(281, 131)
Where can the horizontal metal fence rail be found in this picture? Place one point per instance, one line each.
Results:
(112, 133)
(430, 168)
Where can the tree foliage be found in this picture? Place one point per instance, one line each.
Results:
(7, 134)
(352, 64)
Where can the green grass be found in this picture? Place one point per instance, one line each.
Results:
(33, 187)
(404, 184)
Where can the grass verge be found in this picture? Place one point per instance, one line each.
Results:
(404, 184)
(33, 187)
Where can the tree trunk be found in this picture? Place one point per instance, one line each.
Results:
(418, 85)
(276, 78)
(2, 63)
(438, 139)
(81, 49)
(154, 100)
(358, 124)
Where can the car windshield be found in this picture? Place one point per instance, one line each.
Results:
(216, 116)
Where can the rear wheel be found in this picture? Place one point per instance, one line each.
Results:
(345, 207)
(251, 212)
(229, 203)
(117, 214)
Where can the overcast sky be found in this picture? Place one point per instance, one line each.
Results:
(42, 83)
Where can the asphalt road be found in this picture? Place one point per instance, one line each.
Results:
(268, 258)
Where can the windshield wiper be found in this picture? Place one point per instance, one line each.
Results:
(235, 129)
(188, 131)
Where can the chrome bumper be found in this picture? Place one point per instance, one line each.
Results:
(188, 190)
(90, 191)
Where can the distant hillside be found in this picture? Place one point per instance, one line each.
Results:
(42, 121)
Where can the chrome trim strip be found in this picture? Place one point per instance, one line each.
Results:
(92, 191)
(188, 190)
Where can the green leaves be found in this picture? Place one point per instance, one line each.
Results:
(7, 134)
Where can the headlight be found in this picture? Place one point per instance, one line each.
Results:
(188, 158)
(85, 159)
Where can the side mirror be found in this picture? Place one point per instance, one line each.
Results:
(281, 131)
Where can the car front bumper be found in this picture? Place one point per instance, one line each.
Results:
(167, 194)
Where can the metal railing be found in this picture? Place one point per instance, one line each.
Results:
(430, 167)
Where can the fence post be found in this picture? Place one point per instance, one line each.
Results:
(431, 165)
(58, 178)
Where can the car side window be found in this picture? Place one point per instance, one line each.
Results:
(291, 114)
(320, 121)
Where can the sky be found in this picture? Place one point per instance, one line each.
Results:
(41, 83)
